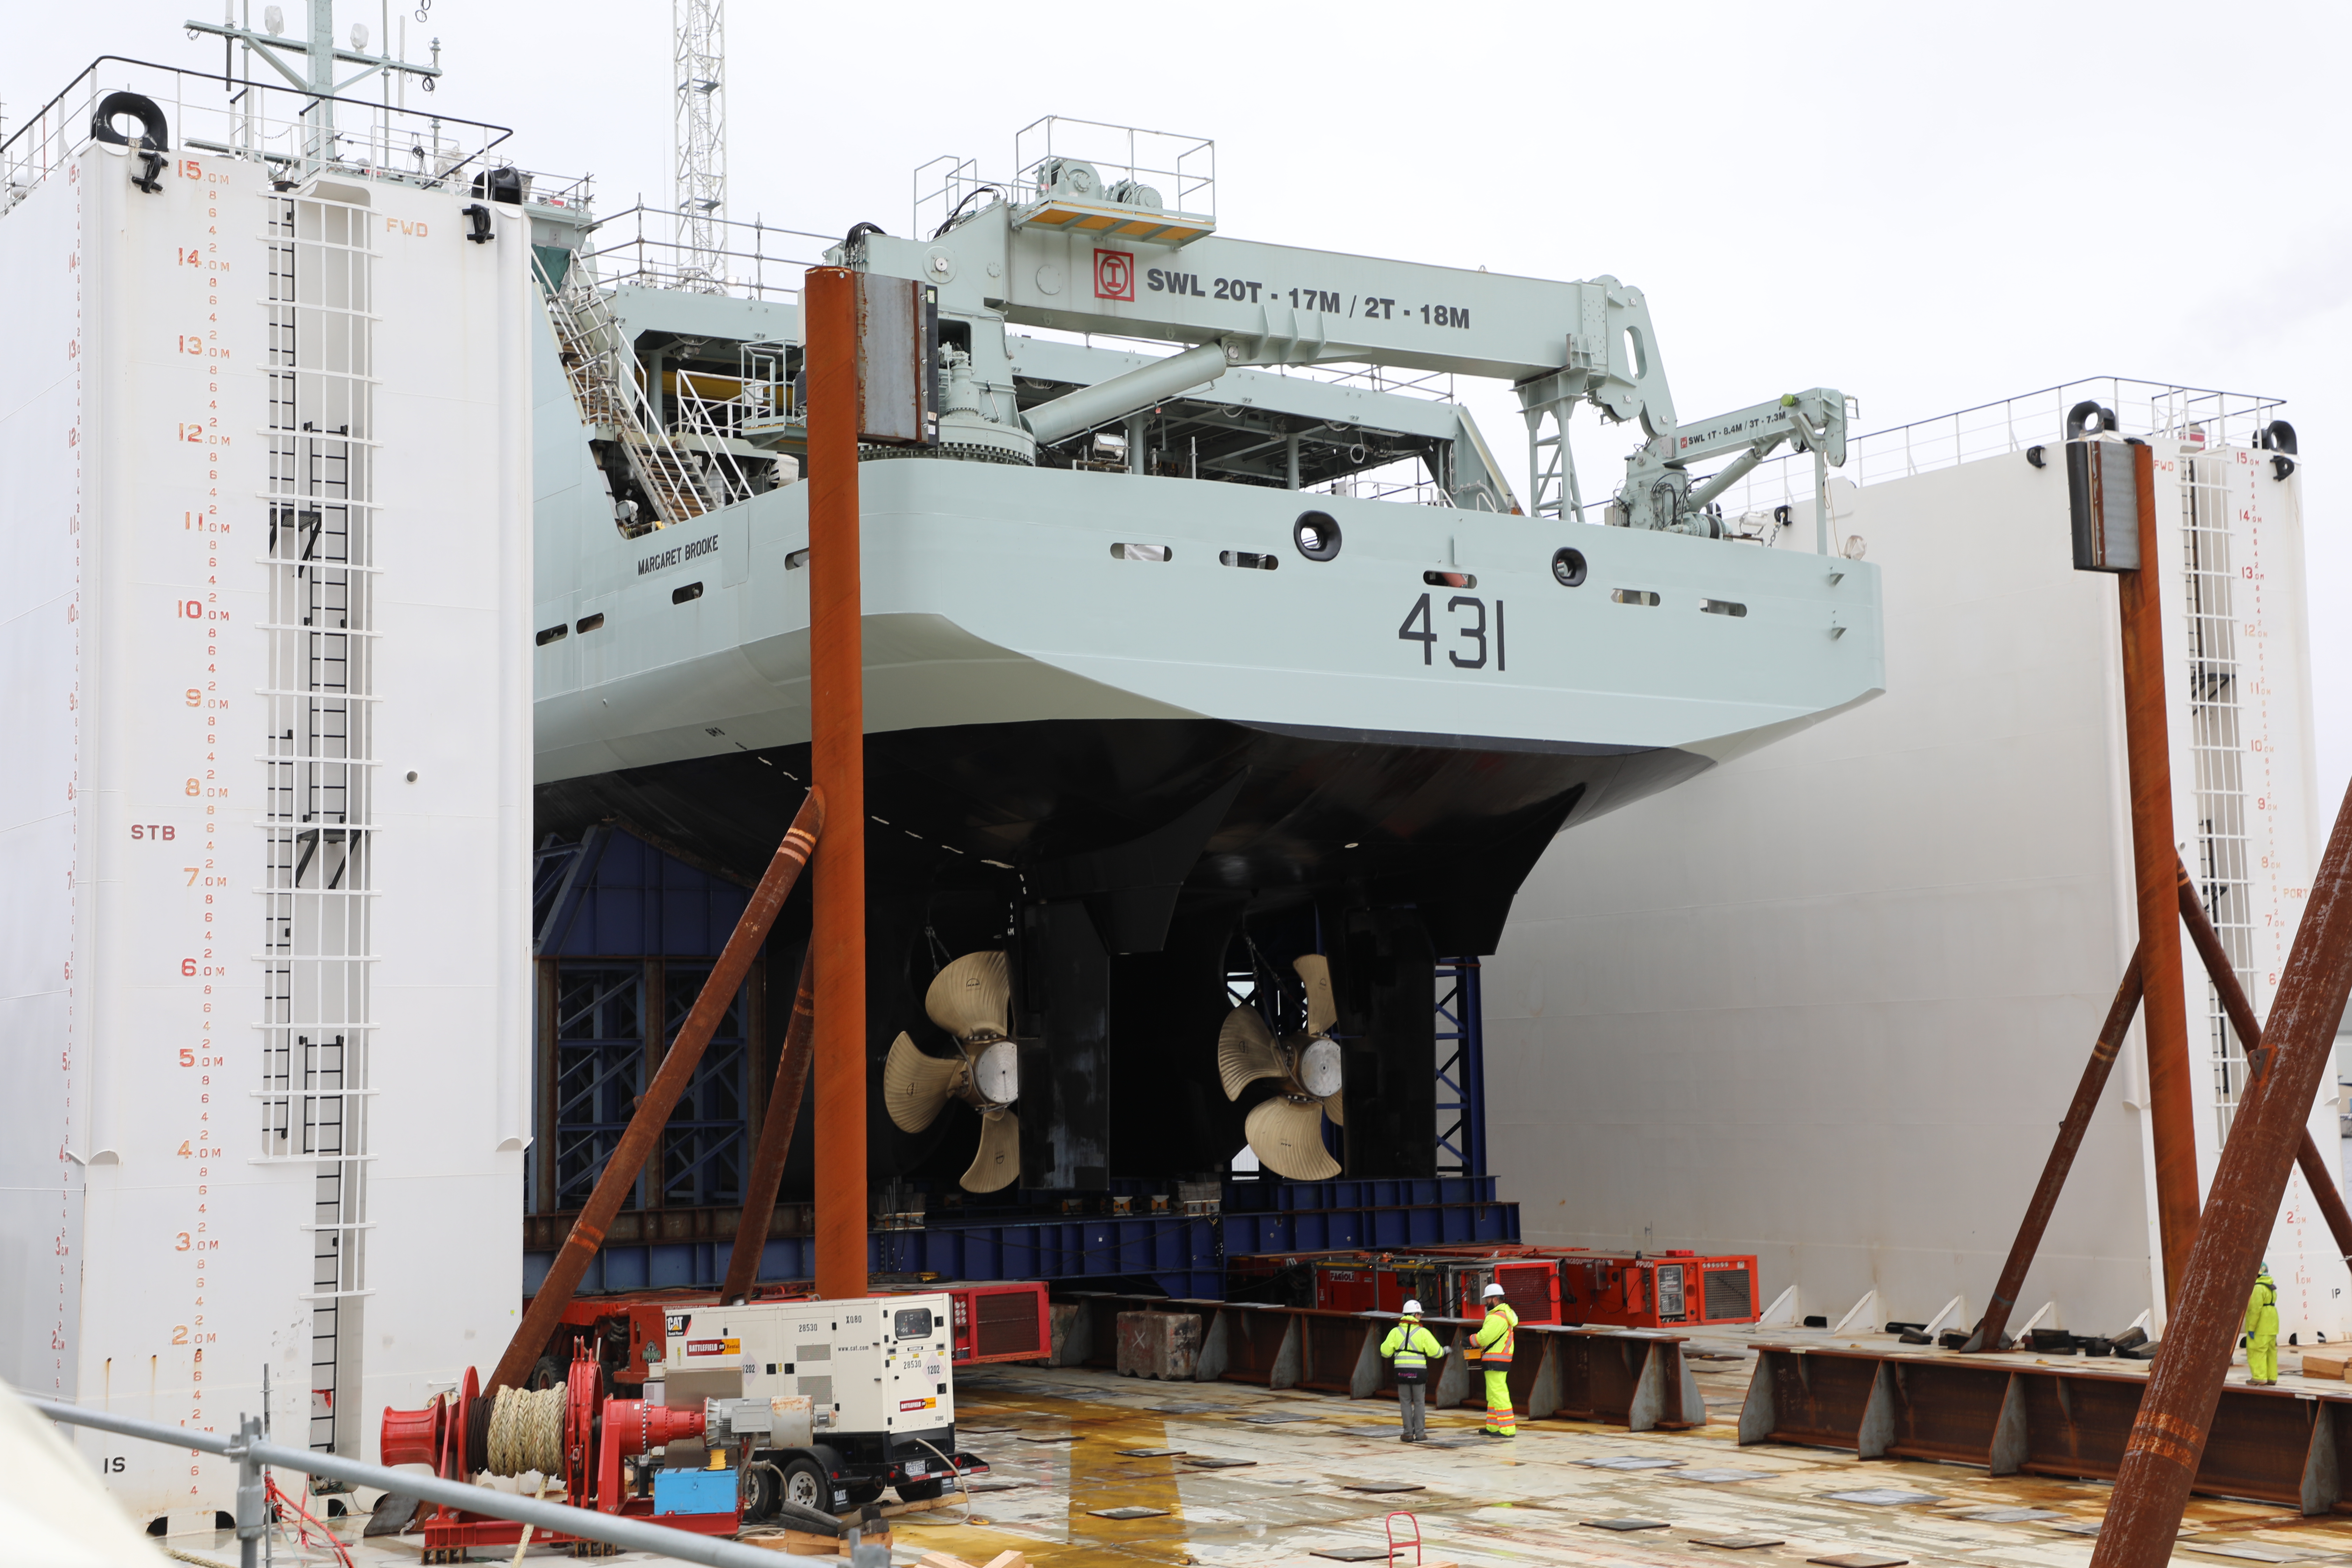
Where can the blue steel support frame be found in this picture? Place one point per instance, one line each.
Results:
(1461, 1019)
(1184, 1255)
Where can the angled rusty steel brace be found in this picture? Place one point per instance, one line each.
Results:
(2201, 935)
(660, 1098)
(1991, 1329)
(776, 1137)
(2168, 1434)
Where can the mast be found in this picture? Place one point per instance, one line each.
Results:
(700, 138)
(316, 55)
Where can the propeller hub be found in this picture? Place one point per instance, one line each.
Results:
(996, 1071)
(1318, 1069)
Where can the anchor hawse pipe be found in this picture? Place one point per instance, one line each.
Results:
(1122, 394)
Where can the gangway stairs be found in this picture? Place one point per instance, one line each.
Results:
(600, 365)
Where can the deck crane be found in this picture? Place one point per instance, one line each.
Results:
(1071, 251)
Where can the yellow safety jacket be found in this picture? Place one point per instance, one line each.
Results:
(1412, 1348)
(1491, 1345)
(2262, 1310)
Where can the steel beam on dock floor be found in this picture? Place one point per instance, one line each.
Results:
(2275, 1444)
(1628, 1377)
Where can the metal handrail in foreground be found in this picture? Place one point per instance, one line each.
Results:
(252, 1455)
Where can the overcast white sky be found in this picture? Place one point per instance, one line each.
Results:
(1926, 207)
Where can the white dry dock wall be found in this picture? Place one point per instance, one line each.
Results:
(264, 968)
(1828, 1002)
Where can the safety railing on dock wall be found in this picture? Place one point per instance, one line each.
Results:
(1995, 429)
(296, 132)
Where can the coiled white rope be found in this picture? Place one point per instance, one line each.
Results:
(527, 1431)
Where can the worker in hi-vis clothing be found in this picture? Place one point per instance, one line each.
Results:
(1411, 1347)
(2262, 1330)
(1491, 1347)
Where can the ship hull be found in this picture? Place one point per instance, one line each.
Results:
(1127, 729)
(1129, 815)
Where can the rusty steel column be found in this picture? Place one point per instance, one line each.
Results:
(2168, 1436)
(775, 1138)
(2171, 1085)
(837, 759)
(2224, 976)
(2078, 1119)
(660, 1098)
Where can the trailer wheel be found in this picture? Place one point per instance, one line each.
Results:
(863, 1492)
(921, 1491)
(805, 1485)
(761, 1489)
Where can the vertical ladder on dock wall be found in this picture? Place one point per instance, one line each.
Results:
(602, 367)
(1461, 1076)
(318, 946)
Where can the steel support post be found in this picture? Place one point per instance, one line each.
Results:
(775, 1139)
(1995, 1323)
(1473, 1003)
(2224, 976)
(2171, 1085)
(2168, 1436)
(252, 1504)
(837, 759)
(661, 1097)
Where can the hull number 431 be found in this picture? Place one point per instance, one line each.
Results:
(1471, 625)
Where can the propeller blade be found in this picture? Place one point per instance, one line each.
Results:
(1247, 1052)
(972, 996)
(914, 1085)
(1321, 1011)
(1287, 1138)
(997, 1162)
(1335, 1107)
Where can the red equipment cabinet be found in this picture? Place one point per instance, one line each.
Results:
(1666, 1289)
(1446, 1285)
(1009, 1321)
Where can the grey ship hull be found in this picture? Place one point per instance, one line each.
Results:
(1123, 764)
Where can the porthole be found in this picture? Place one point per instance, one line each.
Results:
(1316, 534)
(1567, 567)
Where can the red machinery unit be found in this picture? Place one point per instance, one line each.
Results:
(452, 1435)
(1446, 1285)
(1666, 1289)
(1007, 1320)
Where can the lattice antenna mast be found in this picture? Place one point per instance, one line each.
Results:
(700, 136)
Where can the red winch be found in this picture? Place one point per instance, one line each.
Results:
(572, 1435)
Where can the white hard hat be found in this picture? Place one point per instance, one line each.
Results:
(1412, 1309)
(1490, 1290)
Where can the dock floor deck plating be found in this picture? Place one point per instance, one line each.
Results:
(1054, 1438)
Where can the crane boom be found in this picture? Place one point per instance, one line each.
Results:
(1072, 255)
